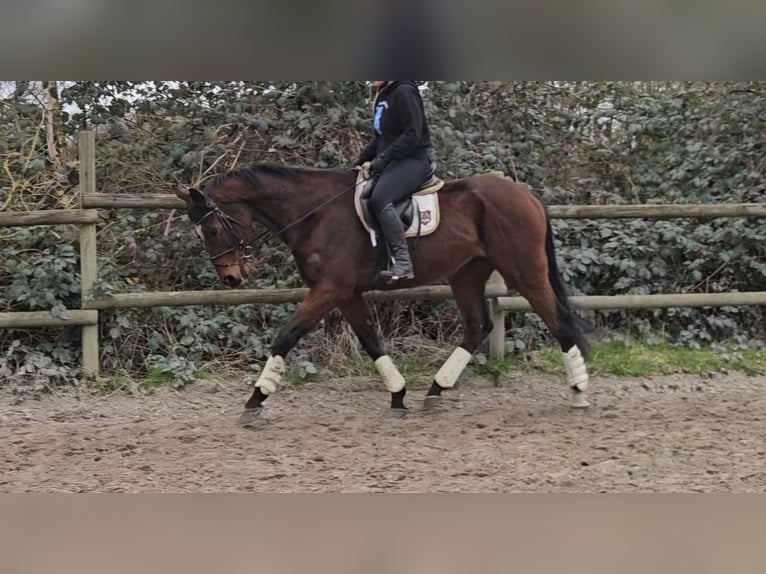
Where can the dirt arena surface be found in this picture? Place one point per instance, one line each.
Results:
(666, 434)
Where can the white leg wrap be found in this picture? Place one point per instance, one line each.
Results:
(452, 368)
(392, 378)
(576, 371)
(271, 376)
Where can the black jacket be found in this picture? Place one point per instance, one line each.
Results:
(400, 125)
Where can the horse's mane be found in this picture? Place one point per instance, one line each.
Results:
(249, 174)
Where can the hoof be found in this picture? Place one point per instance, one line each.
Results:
(249, 416)
(579, 401)
(396, 413)
(431, 402)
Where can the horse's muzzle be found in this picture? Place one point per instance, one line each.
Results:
(232, 280)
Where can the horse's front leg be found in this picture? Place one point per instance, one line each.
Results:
(317, 305)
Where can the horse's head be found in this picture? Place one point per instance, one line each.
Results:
(225, 236)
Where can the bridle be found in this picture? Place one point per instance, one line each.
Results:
(237, 243)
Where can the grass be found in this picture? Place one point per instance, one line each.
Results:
(418, 363)
(109, 385)
(410, 367)
(640, 359)
(158, 378)
(636, 359)
(626, 358)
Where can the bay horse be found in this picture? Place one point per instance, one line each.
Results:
(486, 223)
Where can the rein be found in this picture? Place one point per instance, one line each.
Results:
(227, 220)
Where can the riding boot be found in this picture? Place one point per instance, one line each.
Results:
(391, 227)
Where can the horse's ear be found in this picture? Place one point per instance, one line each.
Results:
(183, 194)
(197, 197)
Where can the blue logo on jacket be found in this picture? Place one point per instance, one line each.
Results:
(378, 115)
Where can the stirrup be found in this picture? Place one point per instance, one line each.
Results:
(396, 278)
(388, 276)
(386, 279)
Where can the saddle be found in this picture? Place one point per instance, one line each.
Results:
(419, 214)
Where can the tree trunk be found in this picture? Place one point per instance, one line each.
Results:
(56, 143)
(54, 133)
(323, 93)
(21, 89)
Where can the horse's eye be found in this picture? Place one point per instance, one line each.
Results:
(213, 232)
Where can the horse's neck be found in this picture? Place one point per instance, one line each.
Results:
(278, 203)
(264, 204)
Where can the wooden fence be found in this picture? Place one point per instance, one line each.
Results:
(500, 302)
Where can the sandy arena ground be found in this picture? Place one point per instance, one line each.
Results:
(666, 434)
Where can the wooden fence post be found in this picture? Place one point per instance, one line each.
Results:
(88, 253)
(496, 313)
(497, 317)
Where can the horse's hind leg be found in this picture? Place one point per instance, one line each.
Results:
(468, 286)
(358, 314)
(534, 285)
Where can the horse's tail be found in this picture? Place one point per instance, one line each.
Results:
(572, 325)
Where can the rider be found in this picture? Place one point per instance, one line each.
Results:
(400, 162)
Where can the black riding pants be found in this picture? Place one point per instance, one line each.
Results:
(400, 179)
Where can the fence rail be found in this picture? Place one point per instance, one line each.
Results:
(27, 319)
(430, 293)
(260, 296)
(121, 201)
(500, 302)
(652, 211)
(50, 217)
(656, 301)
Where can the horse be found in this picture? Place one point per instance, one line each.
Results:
(485, 223)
